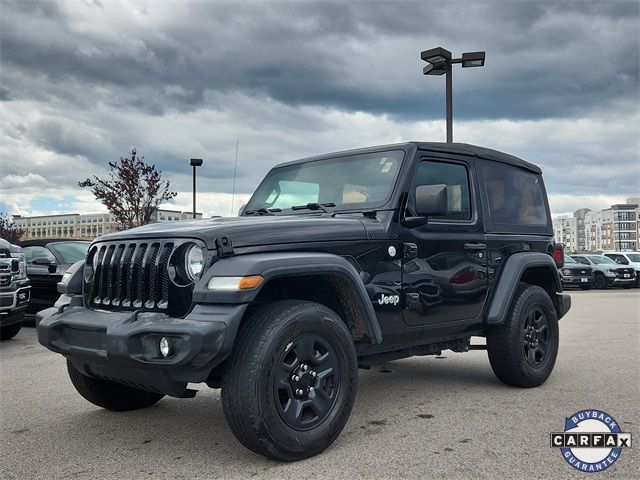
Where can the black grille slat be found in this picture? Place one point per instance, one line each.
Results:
(138, 298)
(112, 277)
(151, 273)
(131, 279)
(99, 284)
(123, 268)
(163, 301)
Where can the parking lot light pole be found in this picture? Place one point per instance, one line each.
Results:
(195, 162)
(440, 63)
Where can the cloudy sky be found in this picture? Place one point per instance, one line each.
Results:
(83, 82)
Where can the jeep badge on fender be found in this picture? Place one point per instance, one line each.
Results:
(337, 261)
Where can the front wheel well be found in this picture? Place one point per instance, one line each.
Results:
(329, 289)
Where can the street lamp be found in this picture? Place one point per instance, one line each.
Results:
(195, 162)
(440, 62)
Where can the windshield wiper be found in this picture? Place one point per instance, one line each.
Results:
(262, 211)
(313, 206)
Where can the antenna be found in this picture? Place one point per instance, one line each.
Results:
(235, 169)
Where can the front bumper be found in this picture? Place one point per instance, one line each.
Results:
(15, 299)
(123, 346)
(577, 280)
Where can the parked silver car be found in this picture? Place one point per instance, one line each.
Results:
(607, 272)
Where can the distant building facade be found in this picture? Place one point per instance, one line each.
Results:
(614, 228)
(85, 226)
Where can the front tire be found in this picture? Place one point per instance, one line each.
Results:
(7, 332)
(110, 395)
(600, 282)
(291, 381)
(523, 350)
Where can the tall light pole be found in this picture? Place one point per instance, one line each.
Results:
(195, 162)
(440, 62)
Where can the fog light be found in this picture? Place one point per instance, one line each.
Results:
(165, 347)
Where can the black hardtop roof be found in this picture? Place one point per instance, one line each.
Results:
(460, 148)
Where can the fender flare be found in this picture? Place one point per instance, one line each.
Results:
(277, 265)
(512, 271)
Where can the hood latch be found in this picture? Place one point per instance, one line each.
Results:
(224, 247)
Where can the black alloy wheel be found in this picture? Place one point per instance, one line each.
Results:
(290, 383)
(535, 337)
(523, 350)
(307, 381)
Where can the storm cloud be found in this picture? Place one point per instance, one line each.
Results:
(83, 82)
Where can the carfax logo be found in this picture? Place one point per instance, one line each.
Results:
(592, 440)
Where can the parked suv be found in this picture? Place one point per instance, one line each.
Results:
(628, 259)
(14, 289)
(576, 274)
(338, 262)
(607, 272)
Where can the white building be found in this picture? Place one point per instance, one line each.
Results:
(614, 228)
(87, 226)
(565, 231)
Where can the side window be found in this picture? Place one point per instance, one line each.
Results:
(455, 176)
(31, 253)
(515, 196)
(619, 259)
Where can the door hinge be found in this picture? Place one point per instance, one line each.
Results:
(409, 251)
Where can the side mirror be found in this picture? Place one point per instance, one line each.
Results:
(432, 200)
(42, 261)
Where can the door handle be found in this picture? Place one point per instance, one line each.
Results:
(475, 246)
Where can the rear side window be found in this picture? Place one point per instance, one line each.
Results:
(515, 196)
(455, 176)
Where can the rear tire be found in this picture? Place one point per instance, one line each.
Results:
(600, 282)
(110, 395)
(291, 380)
(523, 350)
(7, 332)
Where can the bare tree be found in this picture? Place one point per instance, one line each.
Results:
(133, 191)
(8, 230)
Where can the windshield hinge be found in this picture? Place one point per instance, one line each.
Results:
(224, 246)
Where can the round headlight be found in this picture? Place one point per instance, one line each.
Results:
(194, 262)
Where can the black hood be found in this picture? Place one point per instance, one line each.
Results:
(253, 230)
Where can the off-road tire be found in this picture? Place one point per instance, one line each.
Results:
(249, 387)
(505, 348)
(600, 282)
(7, 332)
(110, 395)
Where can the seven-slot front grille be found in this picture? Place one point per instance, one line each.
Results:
(135, 275)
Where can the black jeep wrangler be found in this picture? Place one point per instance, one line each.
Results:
(337, 262)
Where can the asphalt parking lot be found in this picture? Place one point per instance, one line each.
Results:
(423, 417)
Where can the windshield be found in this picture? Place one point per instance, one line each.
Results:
(634, 257)
(599, 260)
(70, 252)
(568, 259)
(353, 182)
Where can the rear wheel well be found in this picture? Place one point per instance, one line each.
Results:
(329, 289)
(543, 277)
